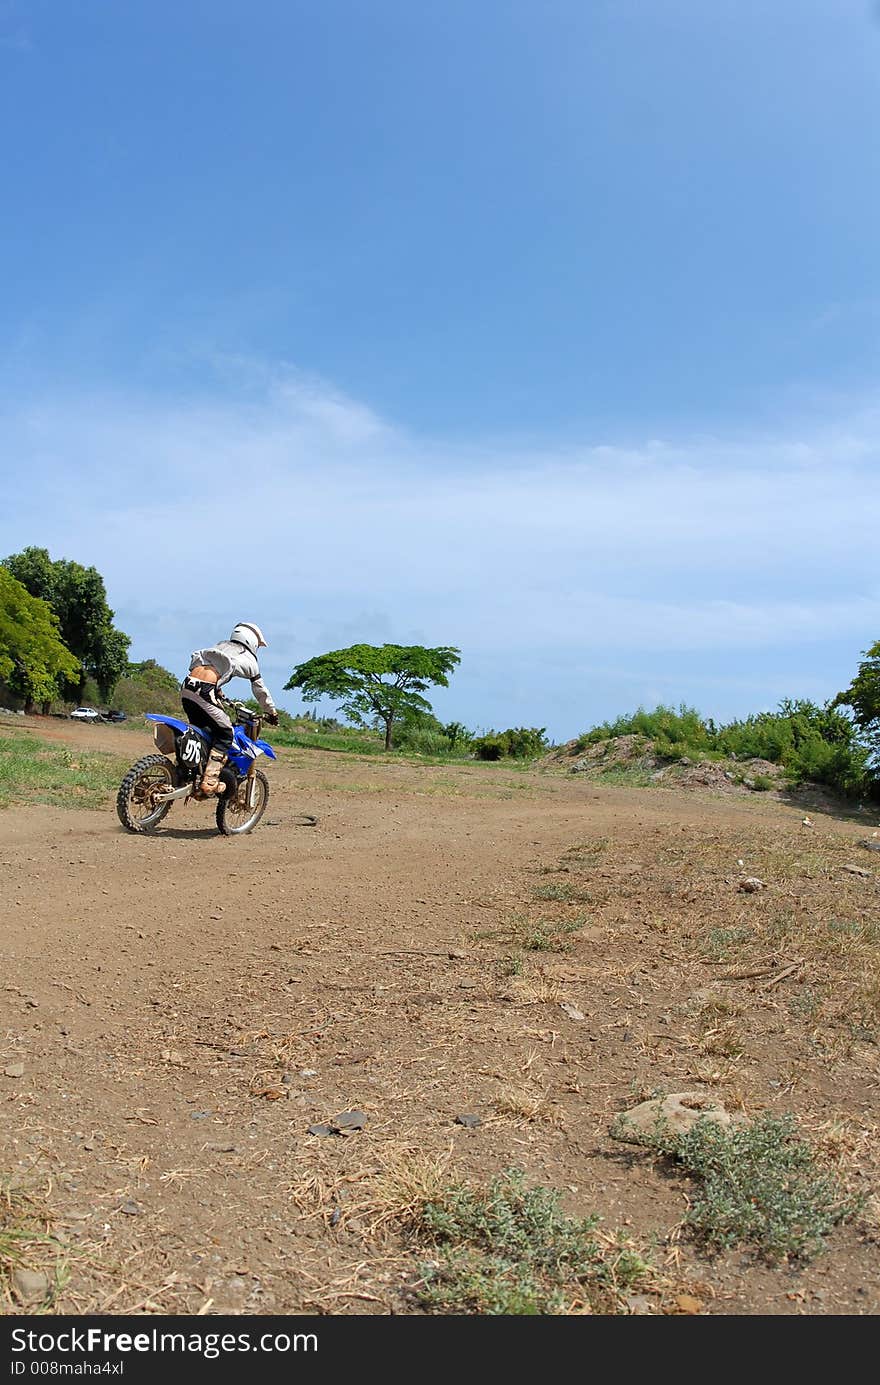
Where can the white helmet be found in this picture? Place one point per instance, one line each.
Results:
(248, 634)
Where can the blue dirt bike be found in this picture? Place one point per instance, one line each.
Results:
(156, 781)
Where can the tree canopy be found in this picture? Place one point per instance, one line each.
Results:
(375, 682)
(79, 599)
(34, 662)
(863, 696)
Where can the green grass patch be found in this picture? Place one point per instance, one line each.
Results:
(760, 1185)
(348, 742)
(506, 1249)
(37, 771)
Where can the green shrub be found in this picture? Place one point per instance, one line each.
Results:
(760, 1185)
(684, 728)
(422, 741)
(508, 1249)
(817, 744)
(457, 735)
(762, 782)
(518, 742)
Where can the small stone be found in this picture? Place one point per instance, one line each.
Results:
(221, 1148)
(456, 955)
(349, 1120)
(130, 1208)
(572, 1011)
(14, 1070)
(469, 1121)
(320, 1130)
(30, 1286)
(686, 1303)
(308, 1072)
(751, 884)
(869, 844)
(640, 1303)
(200, 1115)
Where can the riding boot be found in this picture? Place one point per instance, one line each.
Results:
(211, 785)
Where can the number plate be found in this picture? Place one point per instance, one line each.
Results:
(192, 750)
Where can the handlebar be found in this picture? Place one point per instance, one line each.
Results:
(245, 715)
(241, 710)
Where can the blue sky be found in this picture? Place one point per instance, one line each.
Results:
(548, 330)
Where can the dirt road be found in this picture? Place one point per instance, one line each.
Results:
(183, 1007)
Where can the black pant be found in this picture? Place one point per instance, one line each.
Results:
(199, 701)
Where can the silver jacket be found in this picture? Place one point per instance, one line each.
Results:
(234, 661)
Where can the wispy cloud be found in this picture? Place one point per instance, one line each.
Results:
(288, 501)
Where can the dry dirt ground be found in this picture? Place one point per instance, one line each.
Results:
(185, 1006)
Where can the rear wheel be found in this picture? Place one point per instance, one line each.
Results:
(233, 814)
(136, 801)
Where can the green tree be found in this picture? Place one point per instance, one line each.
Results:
(79, 599)
(863, 696)
(34, 662)
(375, 681)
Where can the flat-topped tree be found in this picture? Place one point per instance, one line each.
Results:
(375, 681)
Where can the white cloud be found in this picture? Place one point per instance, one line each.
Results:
(303, 508)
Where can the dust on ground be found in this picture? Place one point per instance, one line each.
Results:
(183, 1007)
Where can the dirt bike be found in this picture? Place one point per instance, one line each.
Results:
(156, 781)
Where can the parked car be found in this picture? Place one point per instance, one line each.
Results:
(115, 715)
(85, 714)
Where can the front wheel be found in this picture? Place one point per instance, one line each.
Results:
(233, 814)
(136, 800)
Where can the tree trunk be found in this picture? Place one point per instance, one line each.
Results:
(388, 722)
(30, 707)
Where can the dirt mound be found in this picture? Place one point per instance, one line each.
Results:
(618, 752)
(639, 755)
(728, 776)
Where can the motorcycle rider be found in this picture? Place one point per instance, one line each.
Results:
(209, 669)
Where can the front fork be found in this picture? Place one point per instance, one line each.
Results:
(251, 789)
